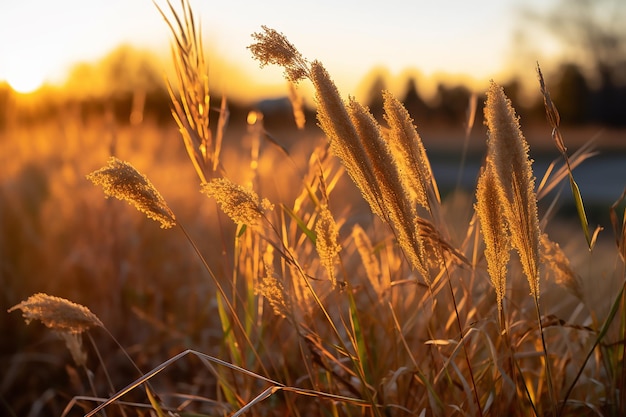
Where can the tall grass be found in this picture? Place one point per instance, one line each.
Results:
(320, 311)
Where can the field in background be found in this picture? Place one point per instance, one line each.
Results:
(59, 236)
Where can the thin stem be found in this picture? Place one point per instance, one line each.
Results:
(547, 360)
(516, 372)
(466, 354)
(224, 297)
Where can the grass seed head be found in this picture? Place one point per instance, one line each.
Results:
(494, 231)
(121, 180)
(559, 268)
(370, 261)
(326, 243)
(242, 205)
(57, 313)
(515, 182)
(336, 123)
(397, 209)
(273, 290)
(272, 47)
(409, 149)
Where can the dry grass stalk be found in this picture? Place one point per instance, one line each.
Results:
(326, 243)
(273, 290)
(494, 231)
(410, 152)
(57, 313)
(344, 140)
(242, 205)
(121, 180)
(370, 262)
(397, 208)
(191, 100)
(356, 139)
(558, 267)
(515, 182)
(297, 104)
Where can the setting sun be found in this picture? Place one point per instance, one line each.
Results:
(25, 81)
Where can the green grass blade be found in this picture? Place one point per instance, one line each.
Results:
(308, 232)
(580, 209)
(358, 336)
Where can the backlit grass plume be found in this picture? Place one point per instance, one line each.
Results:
(514, 180)
(69, 320)
(121, 180)
(494, 230)
(411, 154)
(242, 205)
(272, 47)
(397, 208)
(57, 313)
(559, 269)
(356, 138)
(344, 140)
(508, 150)
(326, 243)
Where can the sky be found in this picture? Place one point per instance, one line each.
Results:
(40, 40)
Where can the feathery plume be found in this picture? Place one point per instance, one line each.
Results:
(369, 260)
(397, 208)
(409, 150)
(240, 204)
(356, 139)
(515, 182)
(558, 267)
(273, 290)
(494, 230)
(344, 140)
(326, 241)
(272, 47)
(57, 313)
(121, 180)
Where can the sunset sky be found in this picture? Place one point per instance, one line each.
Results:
(41, 40)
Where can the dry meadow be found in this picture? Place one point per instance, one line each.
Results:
(205, 266)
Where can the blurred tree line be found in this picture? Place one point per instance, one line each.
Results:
(131, 90)
(588, 86)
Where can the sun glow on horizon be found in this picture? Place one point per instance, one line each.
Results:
(25, 81)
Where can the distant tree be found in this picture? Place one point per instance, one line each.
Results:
(592, 35)
(374, 98)
(591, 32)
(571, 95)
(127, 81)
(415, 105)
(452, 104)
(127, 69)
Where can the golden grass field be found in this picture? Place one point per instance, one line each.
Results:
(326, 275)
